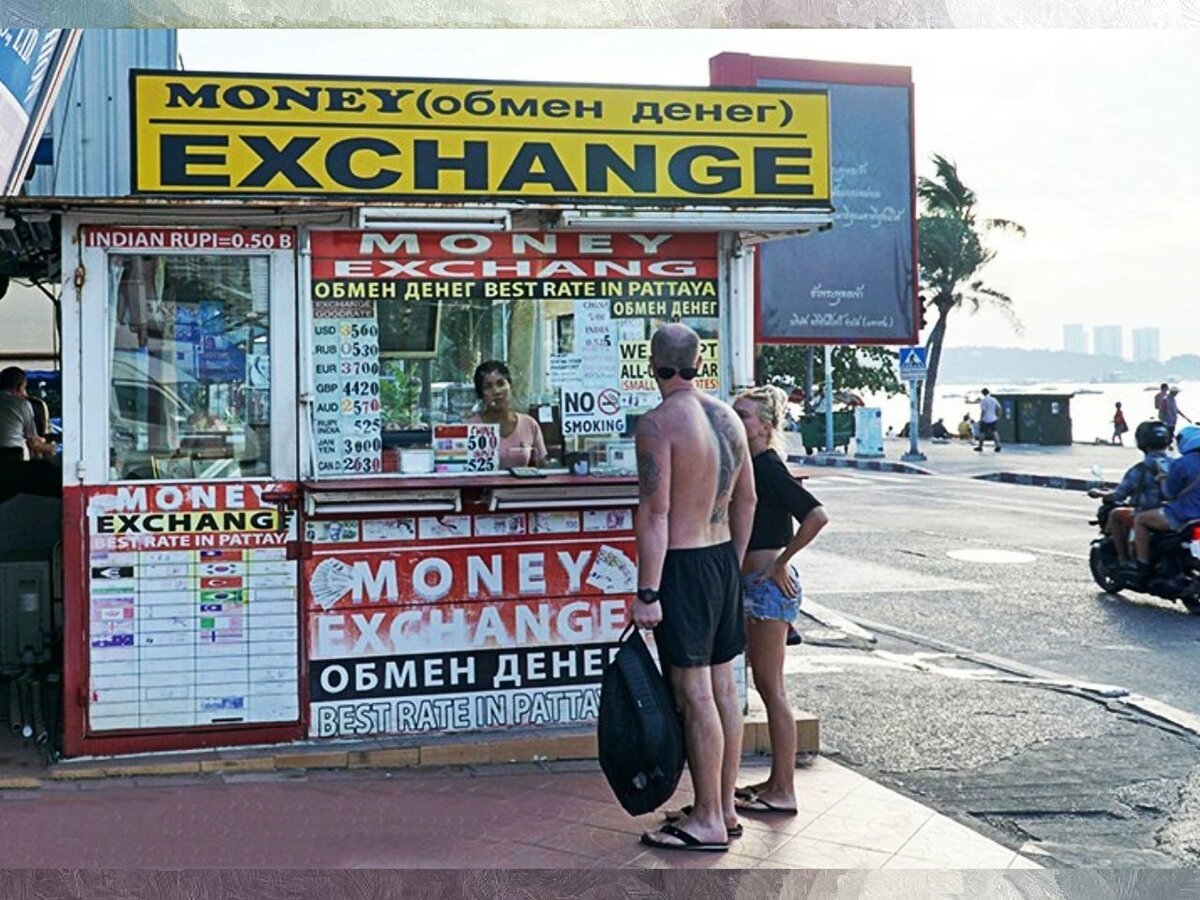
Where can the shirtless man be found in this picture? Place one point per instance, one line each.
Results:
(695, 511)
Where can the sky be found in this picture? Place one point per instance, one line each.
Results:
(1087, 138)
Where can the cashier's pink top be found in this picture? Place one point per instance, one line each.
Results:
(524, 447)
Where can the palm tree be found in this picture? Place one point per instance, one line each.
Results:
(951, 252)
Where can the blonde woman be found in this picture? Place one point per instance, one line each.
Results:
(772, 589)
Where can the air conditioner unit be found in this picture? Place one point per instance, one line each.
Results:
(25, 623)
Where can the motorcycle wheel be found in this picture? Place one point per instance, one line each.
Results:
(1103, 565)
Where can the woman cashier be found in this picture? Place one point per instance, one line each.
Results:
(521, 442)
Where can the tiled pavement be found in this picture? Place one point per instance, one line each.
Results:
(530, 815)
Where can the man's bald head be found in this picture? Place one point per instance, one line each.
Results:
(675, 345)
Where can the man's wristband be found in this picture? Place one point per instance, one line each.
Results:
(648, 595)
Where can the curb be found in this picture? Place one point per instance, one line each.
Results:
(542, 746)
(850, 462)
(1060, 482)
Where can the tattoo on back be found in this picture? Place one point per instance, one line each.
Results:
(728, 453)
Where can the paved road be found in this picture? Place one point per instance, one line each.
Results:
(1001, 570)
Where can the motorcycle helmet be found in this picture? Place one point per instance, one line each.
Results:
(1153, 435)
(1189, 439)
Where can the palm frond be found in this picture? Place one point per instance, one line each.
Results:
(1003, 225)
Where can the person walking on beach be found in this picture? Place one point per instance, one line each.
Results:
(989, 415)
(1159, 398)
(1169, 410)
(1119, 425)
(695, 511)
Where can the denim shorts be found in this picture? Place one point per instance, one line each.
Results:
(764, 599)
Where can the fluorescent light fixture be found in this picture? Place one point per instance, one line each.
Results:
(695, 220)
(387, 218)
(499, 504)
(385, 509)
(381, 502)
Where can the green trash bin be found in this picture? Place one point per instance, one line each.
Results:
(812, 430)
(1036, 418)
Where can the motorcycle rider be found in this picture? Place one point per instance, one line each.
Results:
(1183, 501)
(1141, 486)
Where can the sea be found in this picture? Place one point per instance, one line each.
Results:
(1092, 405)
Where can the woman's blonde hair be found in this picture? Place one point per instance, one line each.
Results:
(771, 404)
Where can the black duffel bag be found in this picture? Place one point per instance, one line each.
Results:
(640, 735)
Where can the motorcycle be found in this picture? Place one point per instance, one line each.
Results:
(1174, 562)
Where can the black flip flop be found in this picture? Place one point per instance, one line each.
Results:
(675, 815)
(689, 841)
(757, 804)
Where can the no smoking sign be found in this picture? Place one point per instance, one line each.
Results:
(591, 411)
(608, 402)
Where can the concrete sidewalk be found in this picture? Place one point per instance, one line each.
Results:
(529, 815)
(1074, 466)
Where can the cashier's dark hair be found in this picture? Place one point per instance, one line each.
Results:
(485, 369)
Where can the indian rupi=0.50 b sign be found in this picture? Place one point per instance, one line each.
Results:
(256, 134)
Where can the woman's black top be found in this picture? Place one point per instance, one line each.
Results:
(781, 498)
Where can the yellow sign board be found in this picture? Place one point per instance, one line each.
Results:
(259, 134)
(635, 367)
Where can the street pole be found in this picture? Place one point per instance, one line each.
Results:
(914, 454)
(828, 398)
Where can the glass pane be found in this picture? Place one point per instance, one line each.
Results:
(190, 391)
(402, 320)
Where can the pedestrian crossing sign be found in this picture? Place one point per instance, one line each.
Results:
(912, 363)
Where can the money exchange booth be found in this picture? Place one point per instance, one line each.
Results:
(287, 518)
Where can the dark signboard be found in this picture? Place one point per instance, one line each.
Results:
(854, 284)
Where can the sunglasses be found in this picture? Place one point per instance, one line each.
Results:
(687, 373)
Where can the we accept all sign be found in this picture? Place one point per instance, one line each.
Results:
(255, 134)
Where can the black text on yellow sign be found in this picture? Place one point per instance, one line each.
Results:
(635, 366)
(191, 522)
(257, 134)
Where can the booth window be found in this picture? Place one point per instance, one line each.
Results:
(402, 320)
(190, 385)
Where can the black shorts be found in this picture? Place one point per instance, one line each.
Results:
(701, 595)
(987, 430)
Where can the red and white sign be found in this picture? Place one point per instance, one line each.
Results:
(328, 245)
(471, 574)
(512, 256)
(193, 612)
(346, 631)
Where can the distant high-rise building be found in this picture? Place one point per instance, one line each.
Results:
(1074, 338)
(1145, 345)
(1108, 340)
